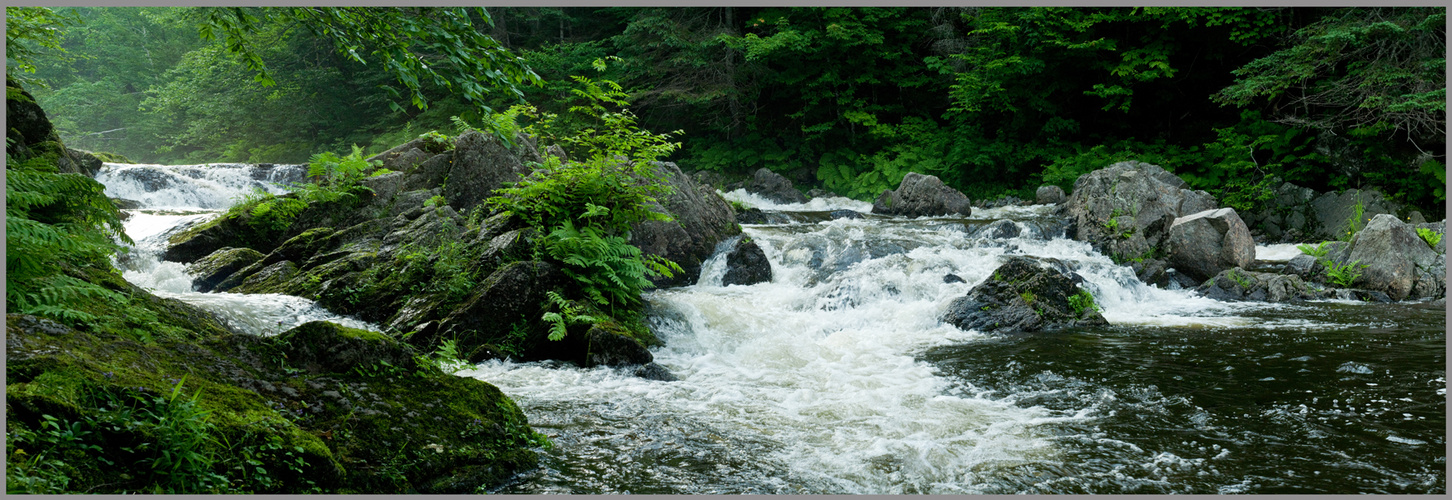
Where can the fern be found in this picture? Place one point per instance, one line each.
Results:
(567, 314)
(56, 221)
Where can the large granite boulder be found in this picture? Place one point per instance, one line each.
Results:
(774, 187)
(1126, 209)
(1024, 295)
(513, 292)
(701, 219)
(922, 195)
(1204, 243)
(1394, 256)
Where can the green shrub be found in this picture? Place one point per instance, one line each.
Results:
(1081, 301)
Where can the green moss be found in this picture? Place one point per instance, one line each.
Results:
(111, 157)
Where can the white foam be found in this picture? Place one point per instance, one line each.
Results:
(821, 204)
(1280, 252)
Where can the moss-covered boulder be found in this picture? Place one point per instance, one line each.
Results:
(513, 293)
(1024, 295)
(320, 408)
(212, 269)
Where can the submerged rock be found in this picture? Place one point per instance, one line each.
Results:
(746, 265)
(1024, 296)
(922, 195)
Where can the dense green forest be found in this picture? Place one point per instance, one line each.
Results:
(992, 100)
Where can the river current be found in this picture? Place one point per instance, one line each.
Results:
(837, 377)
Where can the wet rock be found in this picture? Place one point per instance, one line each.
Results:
(1023, 295)
(512, 293)
(1049, 195)
(653, 371)
(481, 164)
(611, 347)
(1393, 255)
(953, 278)
(844, 214)
(1000, 230)
(701, 219)
(774, 187)
(1304, 266)
(209, 271)
(1005, 201)
(746, 265)
(1204, 243)
(922, 195)
(1239, 284)
(1176, 280)
(270, 279)
(1360, 295)
(821, 193)
(751, 216)
(1126, 210)
(125, 204)
(1432, 280)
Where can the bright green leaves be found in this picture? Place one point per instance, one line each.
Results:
(438, 47)
(54, 222)
(34, 34)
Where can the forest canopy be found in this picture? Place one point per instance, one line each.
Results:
(992, 100)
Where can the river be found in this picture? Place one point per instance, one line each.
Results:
(837, 377)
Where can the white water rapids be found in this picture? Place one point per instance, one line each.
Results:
(810, 383)
(173, 198)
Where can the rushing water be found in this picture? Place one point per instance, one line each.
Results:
(173, 198)
(837, 377)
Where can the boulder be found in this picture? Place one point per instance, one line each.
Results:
(428, 174)
(512, 293)
(610, 347)
(1432, 280)
(1394, 256)
(922, 195)
(1239, 284)
(746, 265)
(481, 164)
(1203, 244)
(209, 271)
(701, 218)
(322, 347)
(1125, 210)
(266, 280)
(774, 187)
(1024, 295)
(1333, 211)
(1049, 195)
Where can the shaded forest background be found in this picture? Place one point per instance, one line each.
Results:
(992, 100)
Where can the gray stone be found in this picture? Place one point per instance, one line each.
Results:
(482, 164)
(1392, 253)
(1239, 284)
(1126, 209)
(774, 187)
(1333, 211)
(746, 265)
(1022, 295)
(701, 218)
(1000, 230)
(1203, 244)
(922, 195)
(1049, 195)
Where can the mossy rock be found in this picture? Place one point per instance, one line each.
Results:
(320, 346)
(111, 157)
(209, 271)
